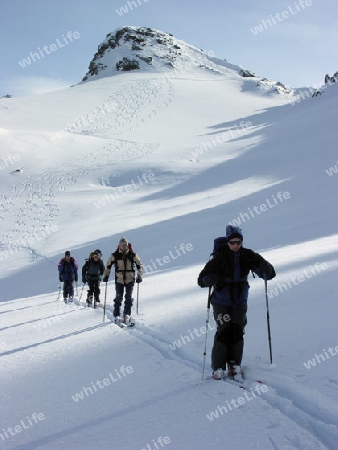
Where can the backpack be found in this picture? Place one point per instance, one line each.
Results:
(219, 245)
(89, 268)
(130, 255)
(72, 261)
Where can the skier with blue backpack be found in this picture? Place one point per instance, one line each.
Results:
(67, 268)
(227, 272)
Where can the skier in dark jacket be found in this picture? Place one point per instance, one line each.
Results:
(228, 272)
(68, 274)
(92, 272)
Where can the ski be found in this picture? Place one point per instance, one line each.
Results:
(240, 384)
(244, 384)
(94, 305)
(122, 324)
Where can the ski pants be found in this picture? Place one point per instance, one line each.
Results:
(128, 300)
(94, 290)
(228, 341)
(68, 289)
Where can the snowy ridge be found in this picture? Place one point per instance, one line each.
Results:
(153, 158)
(149, 50)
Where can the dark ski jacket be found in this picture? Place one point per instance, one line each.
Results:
(93, 270)
(68, 269)
(230, 270)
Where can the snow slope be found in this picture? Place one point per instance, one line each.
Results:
(168, 161)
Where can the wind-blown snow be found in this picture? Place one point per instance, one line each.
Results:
(167, 161)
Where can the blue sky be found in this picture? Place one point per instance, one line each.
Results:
(296, 44)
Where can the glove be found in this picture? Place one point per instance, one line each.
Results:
(84, 280)
(207, 280)
(267, 270)
(105, 279)
(138, 279)
(76, 278)
(60, 278)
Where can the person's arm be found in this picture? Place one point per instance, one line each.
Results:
(110, 262)
(261, 266)
(208, 276)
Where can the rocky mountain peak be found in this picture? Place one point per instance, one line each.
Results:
(145, 49)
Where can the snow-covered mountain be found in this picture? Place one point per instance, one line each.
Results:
(149, 50)
(168, 158)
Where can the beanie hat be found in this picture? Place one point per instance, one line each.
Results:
(123, 241)
(67, 253)
(233, 232)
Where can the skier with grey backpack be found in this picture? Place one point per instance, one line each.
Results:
(128, 270)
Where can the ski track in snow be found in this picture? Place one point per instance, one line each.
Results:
(283, 395)
(34, 201)
(293, 403)
(126, 108)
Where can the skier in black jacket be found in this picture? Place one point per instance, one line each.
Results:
(228, 272)
(92, 272)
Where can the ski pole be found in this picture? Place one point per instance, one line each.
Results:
(81, 291)
(268, 317)
(59, 290)
(105, 300)
(206, 333)
(138, 290)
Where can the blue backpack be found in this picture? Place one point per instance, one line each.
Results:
(219, 244)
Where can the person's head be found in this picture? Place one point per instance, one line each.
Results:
(234, 236)
(123, 244)
(67, 254)
(96, 255)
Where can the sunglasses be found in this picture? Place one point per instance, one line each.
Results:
(235, 242)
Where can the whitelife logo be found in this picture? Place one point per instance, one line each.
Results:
(101, 384)
(321, 358)
(236, 403)
(291, 11)
(48, 49)
(129, 6)
(24, 425)
(332, 170)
